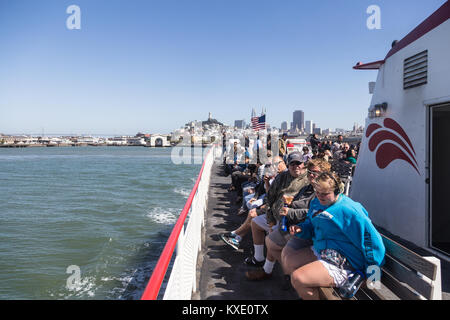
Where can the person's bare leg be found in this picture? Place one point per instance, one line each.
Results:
(258, 234)
(292, 259)
(273, 250)
(308, 278)
(245, 227)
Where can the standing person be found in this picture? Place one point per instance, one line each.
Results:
(337, 145)
(344, 240)
(314, 141)
(224, 147)
(257, 147)
(282, 145)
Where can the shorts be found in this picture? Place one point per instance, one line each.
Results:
(256, 204)
(297, 243)
(339, 275)
(280, 239)
(262, 222)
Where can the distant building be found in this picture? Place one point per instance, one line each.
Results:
(309, 126)
(299, 120)
(284, 126)
(317, 131)
(239, 124)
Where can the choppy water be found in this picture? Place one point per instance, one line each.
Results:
(106, 210)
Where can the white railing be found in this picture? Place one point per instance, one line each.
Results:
(183, 281)
(187, 241)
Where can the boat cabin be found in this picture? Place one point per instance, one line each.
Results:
(402, 174)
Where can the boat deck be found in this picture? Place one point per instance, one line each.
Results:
(222, 269)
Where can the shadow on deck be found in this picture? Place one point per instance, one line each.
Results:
(221, 270)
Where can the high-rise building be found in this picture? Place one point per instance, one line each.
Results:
(240, 124)
(309, 126)
(284, 126)
(299, 119)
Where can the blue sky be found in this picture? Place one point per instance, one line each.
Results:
(153, 65)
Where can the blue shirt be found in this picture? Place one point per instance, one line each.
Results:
(345, 227)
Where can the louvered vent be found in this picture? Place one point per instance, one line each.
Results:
(415, 70)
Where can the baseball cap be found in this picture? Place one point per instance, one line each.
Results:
(294, 156)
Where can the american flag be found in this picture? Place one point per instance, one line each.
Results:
(258, 123)
(254, 120)
(261, 123)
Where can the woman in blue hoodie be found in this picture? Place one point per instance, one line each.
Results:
(344, 240)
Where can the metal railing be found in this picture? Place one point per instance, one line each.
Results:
(182, 281)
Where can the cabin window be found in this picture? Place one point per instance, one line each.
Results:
(415, 70)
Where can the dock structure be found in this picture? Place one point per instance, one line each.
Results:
(221, 269)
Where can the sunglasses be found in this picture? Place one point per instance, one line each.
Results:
(322, 194)
(314, 173)
(295, 163)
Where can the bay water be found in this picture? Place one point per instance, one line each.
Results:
(97, 215)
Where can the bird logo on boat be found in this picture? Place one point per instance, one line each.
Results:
(392, 142)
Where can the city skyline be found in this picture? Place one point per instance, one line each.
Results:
(153, 66)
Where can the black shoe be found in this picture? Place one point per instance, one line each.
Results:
(251, 261)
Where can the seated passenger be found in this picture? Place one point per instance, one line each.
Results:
(342, 152)
(327, 155)
(351, 156)
(344, 240)
(307, 154)
(287, 183)
(249, 174)
(289, 144)
(234, 238)
(295, 213)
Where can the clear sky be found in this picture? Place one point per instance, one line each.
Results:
(153, 65)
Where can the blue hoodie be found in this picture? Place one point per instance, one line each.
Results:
(345, 227)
